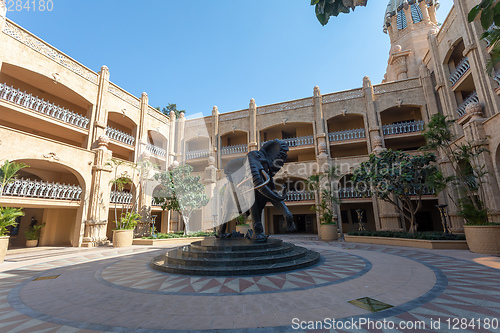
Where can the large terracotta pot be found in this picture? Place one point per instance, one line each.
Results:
(123, 238)
(483, 238)
(4, 244)
(32, 243)
(329, 232)
(242, 228)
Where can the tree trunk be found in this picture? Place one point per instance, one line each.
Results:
(186, 225)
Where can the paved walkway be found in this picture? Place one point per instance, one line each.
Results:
(114, 290)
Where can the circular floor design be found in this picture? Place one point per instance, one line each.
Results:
(133, 274)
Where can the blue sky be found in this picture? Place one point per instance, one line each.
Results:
(203, 53)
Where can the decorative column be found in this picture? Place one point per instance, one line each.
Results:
(323, 165)
(431, 107)
(474, 133)
(99, 118)
(215, 136)
(97, 222)
(253, 136)
(144, 196)
(319, 120)
(142, 131)
(180, 153)
(171, 139)
(425, 11)
(212, 209)
(432, 14)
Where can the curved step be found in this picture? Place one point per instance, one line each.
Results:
(234, 244)
(188, 251)
(173, 257)
(309, 259)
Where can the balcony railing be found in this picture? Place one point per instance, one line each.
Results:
(298, 141)
(31, 102)
(194, 154)
(121, 197)
(349, 193)
(463, 66)
(155, 150)
(404, 127)
(299, 196)
(118, 135)
(41, 189)
(237, 149)
(470, 99)
(347, 135)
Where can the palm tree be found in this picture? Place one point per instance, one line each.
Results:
(7, 171)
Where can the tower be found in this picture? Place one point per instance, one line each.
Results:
(408, 22)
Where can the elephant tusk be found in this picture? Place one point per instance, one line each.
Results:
(268, 179)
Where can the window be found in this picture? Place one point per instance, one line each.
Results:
(401, 20)
(416, 13)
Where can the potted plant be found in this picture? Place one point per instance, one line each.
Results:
(241, 225)
(32, 235)
(123, 235)
(8, 215)
(467, 161)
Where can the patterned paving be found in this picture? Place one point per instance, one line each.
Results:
(94, 294)
(336, 267)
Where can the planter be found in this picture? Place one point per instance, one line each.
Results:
(483, 238)
(123, 238)
(32, 243)
(420, 243)
(243, 229)
(329, 232)
(4, 244)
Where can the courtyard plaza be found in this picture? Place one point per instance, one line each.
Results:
(105, 289)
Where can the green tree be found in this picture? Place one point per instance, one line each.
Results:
(8, 170)
(169, 108)
(326, 8)
(469, 170)
(398, 178)
(8, 215)
(181, 192)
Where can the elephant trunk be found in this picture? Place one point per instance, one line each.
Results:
(268, 193)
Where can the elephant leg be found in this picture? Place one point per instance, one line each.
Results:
(290, 225)
(228, 207)
(258, 228)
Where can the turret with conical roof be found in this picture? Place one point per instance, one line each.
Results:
(408, 22)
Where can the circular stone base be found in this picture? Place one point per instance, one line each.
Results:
(235, 257)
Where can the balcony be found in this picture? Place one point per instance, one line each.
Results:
(156, 150)
(34, 103)
(299, 196)
(403, 127)
(472, 98)
(347, 135)
(350, 193)
(120, 136)
(297, 142)
(194, 154)
(41, 189)
(236, 149)
(123, 197)
(460, 70)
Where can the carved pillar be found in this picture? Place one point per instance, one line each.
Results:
(181, 154)
(409, 18)
(474, 132)
(432, 14)
(211, 190)
(99, 117)
(323, 165)
(431, 107)
(319, 120)
(215, 137)
(425, 11)
(372, 119)
(142, 131)
(171, 138)
(253, 135)
(96, 224)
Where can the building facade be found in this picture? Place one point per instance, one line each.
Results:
(78, 131)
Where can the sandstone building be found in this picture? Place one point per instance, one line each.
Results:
(66, 122)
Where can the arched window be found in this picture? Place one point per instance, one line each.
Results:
(401, 20)
(416, 13)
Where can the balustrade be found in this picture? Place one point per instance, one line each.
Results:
(41, 189)
(349, 193)
(347, 135)
(299, 196)
(194, 154)
(404, 127)
(156, 150)
(298, 141)
(236, 149)
(121, 197)
(118, 135)
(463, 66)
(31, 102)
(470, 99)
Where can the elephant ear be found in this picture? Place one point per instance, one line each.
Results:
(275, 150)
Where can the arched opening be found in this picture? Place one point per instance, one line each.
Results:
(39, 106)
(234, 143)
(298, 136)
(402, 127)
(158, 146)
(122, 132)
(347, 135)
(197, 153)
(50, 193)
